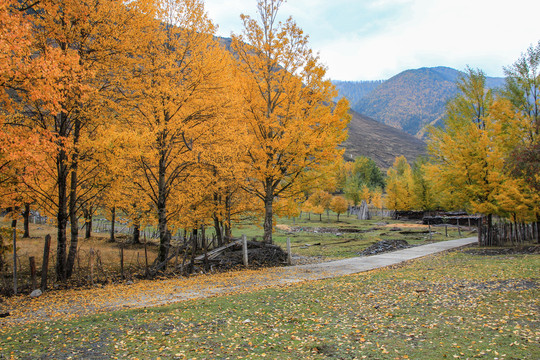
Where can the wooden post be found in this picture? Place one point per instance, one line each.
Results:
(122, 261)
(145, 257)
(446, 230)
(45, 264)
(91, 260)
(33, 271)
(245, 250)
(430, 235)
(289, 255)
(458, 228)
(14, 260)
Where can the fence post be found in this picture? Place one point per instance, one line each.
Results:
(45, 265)
(122, 261)
(33, 271)
(289, 255)
(91, 260)
(14, 260)
(245, 250)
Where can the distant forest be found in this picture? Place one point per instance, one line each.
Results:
(355, 90)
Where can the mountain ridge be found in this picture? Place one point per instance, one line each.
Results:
(411, 99)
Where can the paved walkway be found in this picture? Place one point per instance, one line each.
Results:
(74, 303)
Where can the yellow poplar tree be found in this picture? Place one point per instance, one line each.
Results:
(399, 186)
(177, 93)
(293, 125)
(339, 205)
(470, 154)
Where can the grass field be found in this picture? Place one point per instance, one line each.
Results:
(346, 238)
(455, 305)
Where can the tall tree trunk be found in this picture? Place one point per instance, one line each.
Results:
(136, 239)
(61, 215)
(219, 233)
(26, 217)
(217, 222)
(489, 230)
(113, 220)
(73, 218)
(87, 223)
(268, 214)
(227, 226)
(164, 240)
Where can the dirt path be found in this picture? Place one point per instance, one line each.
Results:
(55, 305)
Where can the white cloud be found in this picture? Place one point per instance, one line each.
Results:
(360, 40)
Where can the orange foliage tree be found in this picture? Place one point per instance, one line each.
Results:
(179, 102)
(74, 47)
(339, 205)
(294, 128)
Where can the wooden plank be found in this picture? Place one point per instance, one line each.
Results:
(213, 253)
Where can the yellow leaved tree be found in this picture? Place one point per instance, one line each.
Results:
(399, 186)
(293, 126)
(471, 153)
(180, 111)
(74, 47)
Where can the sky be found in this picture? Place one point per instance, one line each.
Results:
(377, 39)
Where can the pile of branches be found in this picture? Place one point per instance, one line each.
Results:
(228, 257)
(385, 246)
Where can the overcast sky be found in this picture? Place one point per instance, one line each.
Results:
(376, 39)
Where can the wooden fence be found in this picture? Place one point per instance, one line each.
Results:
(507, 233)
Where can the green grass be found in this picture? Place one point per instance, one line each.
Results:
(454, 305)
(328, 245)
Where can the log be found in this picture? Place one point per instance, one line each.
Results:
(216, 252)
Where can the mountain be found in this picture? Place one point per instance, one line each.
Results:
(355, 90)
(380, 142)
(411, 99)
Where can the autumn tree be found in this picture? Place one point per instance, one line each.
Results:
(462, 172)
(319, 201)
(294, 127)
(359, 177)
(339, 205)
(21, 148)
(471, 151)
(523, 91)
(399, 186)
(178, 95)
(75, 47)
(424, 194)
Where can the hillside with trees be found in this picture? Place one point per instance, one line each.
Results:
(380, 142)
(411, 99)
(355, 90)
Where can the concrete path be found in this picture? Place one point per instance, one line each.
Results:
(69, 304)
(360, 264)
